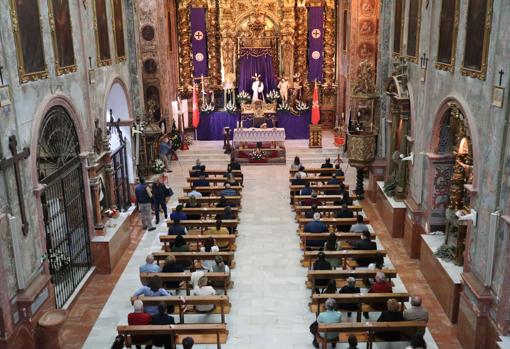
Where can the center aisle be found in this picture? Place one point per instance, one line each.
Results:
(269, 300)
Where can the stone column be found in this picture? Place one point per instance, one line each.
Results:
(227, 34)
(94, 193)
(287, 39)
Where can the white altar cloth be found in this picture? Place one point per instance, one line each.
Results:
(259, 135)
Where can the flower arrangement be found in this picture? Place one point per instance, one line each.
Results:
(188, 140)
(58, 259)
(302, 106)
(258, 154)
(158, 166)
(175, 138)
(243, 97)
(284, 106)
(231, 107)
(207, 107)
(273, 96)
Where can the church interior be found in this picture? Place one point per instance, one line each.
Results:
(235, 174)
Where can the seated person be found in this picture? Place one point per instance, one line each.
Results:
(203, 290)
(312, 200)
(331, 288)
(352, 341)
(187, 343)
(201, 182)
(330, 315)
(346, 199)
(416, 313)
(227, 214)
(219, 230)
(139, 317)
(417, 342)
(193, 203)
(228, 191)
(321, 264)
(315, 227)
(332, 245)
(209, 246)
(306, 190)
(178, 214)
(393, 313)
(297, 180)
(219, 266)
(234, 164)
(301, 171)
(312, 211)
(149, 266)
(179, 245)
(350, 288)
(162, 318)
(176, 228)
(327, 164)
(194, 192)
(359, 227)
(197, 166)
(364, 244)
(380, 286)
(171, 266)
(153, 289)
(296, 164)
(344, 213)
(222, 202)
(334, 180)
(338, 171)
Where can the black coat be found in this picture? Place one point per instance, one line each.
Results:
(162, 319)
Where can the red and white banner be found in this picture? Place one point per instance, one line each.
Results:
(196, 111)
(316, 111)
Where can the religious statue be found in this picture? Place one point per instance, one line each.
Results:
(297, 94)
(98, 137)
(229, 89)
(284, 89)
(396, 182)
(257, 87)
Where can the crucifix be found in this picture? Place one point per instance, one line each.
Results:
(1, 76)
(14, 161)
(501, 73)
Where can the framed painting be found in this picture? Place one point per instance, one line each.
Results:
(101, 27)
(478, 28)
(62, 33)
(397, 28)
(413, 31)
(448, 28)
(118, 30)
(26, 27)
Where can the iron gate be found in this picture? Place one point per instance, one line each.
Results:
(120, 171)
(67, 237)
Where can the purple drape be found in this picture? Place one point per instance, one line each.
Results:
(315, 43)
(256, 61)
(199, 42)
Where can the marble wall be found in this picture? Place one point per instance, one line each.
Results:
(487, 123)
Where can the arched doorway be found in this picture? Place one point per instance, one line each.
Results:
(119, 127)
(453, 168)
(63, 202)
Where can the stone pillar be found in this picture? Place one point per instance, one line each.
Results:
(287, 41)
(94, 193)
(376, 173)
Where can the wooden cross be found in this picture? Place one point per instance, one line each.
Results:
(501, 73)
(14, 161)
(1, 76)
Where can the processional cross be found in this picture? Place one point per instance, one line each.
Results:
(14, 161)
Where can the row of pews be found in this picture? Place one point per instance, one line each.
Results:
(359, 303)
(183, 302)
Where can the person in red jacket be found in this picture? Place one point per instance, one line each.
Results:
(139, 317)
(381, 285)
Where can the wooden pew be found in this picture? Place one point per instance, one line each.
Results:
(222, 304)
(314, 275)
(201, 333)
(332, 221)
(309, 256)
(214, 189)
(314, 170)
(369, 329)
(205, 224)
(228, 257)
(317, 179)
(325, 199)
(323, 236)
(185, 277)
(214, 180)
(319, 188)
(219, 172)
(212, 200)
(207, 211)
(196, 239)
(326, 209)
(362, 300)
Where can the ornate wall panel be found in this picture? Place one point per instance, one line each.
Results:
(213, 42)
(300, 41)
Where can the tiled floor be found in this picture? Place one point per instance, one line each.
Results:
(269, 298)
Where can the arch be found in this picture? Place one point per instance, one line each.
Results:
(116, 85)
(473, 132)
(244, 16)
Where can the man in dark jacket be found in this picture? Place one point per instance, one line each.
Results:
(344, 213)
(144, 200)
(321, 264)
(315, 226)
(162, 318)
(365, 244)
(176, 228)
(160, 193)
(350, 288)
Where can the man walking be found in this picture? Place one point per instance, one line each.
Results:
(161, 193)
(144, 199)
(165, 153)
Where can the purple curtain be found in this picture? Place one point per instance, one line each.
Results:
(315, 43)
(199, 42)
(256, 60)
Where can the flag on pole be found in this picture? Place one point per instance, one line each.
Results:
(316, 112)
(196, 111)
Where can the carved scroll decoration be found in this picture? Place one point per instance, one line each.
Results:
(213, 44)
(329, 47)
(227, 34)
(300, 40)
(185, 62)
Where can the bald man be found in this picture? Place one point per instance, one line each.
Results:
(416, 313)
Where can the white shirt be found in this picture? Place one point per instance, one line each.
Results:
(204, 291)
(195, 194)
(208, 263)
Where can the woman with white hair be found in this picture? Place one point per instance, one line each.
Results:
(139, 317)
(330, 315)
(203, 290)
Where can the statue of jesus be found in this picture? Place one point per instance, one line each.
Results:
(257, 87)
(284, 89)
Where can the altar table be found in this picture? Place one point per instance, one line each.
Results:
(245, 135)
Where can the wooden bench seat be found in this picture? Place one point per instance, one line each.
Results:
(314, 179)
(185, 279)
(207, 211)
(362, 300)
(213, 180)
(314, 275)
(304, 237)
(212, 200)
(332, 221)
(218, 172)
(319, 188)
(213, 189)
(325, 199)
(201, 333)
(205, 224)
(369, 329)
(195, 240)
(182, 304)
(228, 257)
(314, 170)
(343, 255)
(326, 209)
